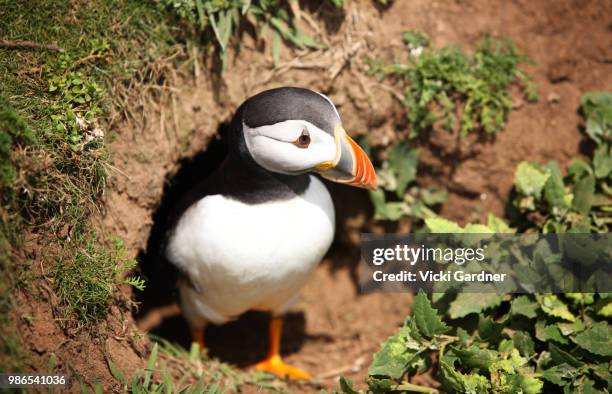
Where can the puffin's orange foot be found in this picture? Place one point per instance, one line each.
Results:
(278, 367)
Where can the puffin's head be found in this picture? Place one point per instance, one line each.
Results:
(292, 131)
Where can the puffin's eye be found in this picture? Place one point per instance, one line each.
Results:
(303, 140)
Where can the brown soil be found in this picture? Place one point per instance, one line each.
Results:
(335, 329)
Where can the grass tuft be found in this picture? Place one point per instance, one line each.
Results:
(219, 21)
(86, 281)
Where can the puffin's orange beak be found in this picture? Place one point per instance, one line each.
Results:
(351, 164)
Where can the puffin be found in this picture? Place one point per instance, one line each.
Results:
(253, 232)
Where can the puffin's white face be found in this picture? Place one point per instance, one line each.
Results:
(290, 147)
(292, 131)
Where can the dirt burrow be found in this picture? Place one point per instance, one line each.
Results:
(334, 330)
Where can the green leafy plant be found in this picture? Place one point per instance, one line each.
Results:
(492, 343)
(597, 109)
(397, 195)
(541, 343)
(447, 85)
(581, 201)
(462, 91)
(223, 18)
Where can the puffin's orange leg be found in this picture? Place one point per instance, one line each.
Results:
(273, 363)
(198, 337)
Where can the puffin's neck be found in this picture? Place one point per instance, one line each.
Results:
(243, 179)
(247, 181)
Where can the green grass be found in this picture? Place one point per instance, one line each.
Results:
(86, 279)
(220, 21)
(61, 98)
(463, 91)
(53, 154)
(172, 369)
(54, 108)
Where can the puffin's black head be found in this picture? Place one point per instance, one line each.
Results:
(293, 130)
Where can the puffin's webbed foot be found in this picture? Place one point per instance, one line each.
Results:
(274, 363)
(278, 367)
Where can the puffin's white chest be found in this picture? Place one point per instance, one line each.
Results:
(244, 256)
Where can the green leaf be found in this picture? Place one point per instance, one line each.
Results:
(403, 162)
(525, 383)
(426, 318)
(523, 343)
(554, 190)
(560, 374)
(606, 310)
(597, 108)
(477, 229)
(276, 46)
(498, 225)
(384, 210)
(415, 38)
(581, 298)
(150, 365)
(458, 382)
(442, 226)
(530, 179)
(602, 161)
(97, 386)
(597, 339)
(396, 354)
(116, 372)
(560, 356)
(467, 303)
(306, 40)
(523, 305)
(489, 329)
(583, 194)
(379, 385)
(571, 328)
(347, 386)
(475, 357)
(602, 371)
(222, 27)
(552, 306)
(578, 169)
(549, 333)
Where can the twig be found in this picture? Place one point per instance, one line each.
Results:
(413, 388)
(89, 57)
(29, 45)
(154, 317)
(394, 93)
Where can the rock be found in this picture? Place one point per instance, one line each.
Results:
(553, 98)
